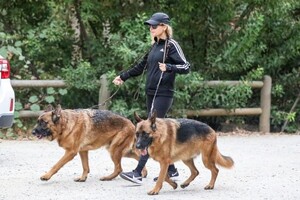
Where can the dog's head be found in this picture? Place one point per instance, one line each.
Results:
(145, 132)
(48, 124)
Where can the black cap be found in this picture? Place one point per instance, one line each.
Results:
(158, 18)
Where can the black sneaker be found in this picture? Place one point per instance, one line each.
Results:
(172, 174)
(132, 176)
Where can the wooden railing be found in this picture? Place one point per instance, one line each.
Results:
(263, 111)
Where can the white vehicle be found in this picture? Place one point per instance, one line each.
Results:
(7, 95)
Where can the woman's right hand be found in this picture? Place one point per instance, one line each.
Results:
(118, 81)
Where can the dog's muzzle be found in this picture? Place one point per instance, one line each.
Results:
(40, 133)
(143, 142)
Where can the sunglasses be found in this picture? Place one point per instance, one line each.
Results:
(155, 26)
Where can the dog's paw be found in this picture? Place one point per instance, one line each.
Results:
(80, 179)
(153, 192)
(184, 185)
(105, 178)
(44, 178)
(209, 187)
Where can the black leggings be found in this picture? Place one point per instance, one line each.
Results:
(161, 106)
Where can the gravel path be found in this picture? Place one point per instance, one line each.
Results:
(266, 167)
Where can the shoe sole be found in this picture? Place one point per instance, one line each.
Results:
(128, 179)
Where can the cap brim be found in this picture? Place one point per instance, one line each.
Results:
(151, 22)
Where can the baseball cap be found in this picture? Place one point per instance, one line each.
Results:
(158, 18)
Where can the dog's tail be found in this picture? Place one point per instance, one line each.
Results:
(224, 161)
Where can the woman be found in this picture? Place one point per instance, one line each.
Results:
(162, 63)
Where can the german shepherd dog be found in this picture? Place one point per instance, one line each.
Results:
(169, 140)
(78, 131)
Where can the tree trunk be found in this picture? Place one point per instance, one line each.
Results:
(76, 27)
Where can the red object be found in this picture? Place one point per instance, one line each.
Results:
(5, 69)
(11, 106)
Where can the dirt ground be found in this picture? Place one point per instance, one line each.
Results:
(266, 167)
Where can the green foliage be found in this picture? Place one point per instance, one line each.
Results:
(223, 40)
(192, 93)
(83, 77)
(129, 97)
(242, 50)
(8, 134)
(130, 42)
(279, 116)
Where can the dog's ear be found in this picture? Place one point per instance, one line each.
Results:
(49, 108)
(153, 120)
(56, 114)
(137, 117)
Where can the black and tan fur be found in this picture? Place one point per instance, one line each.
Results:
(78, 131)
(169, 140)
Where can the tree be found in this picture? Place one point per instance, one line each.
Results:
(225, 40)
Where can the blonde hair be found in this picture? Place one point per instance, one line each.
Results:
(168, 31)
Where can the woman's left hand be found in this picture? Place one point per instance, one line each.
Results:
(162, 67)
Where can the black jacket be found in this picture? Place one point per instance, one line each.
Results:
(175, 61)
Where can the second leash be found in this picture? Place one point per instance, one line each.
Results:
(106, 100)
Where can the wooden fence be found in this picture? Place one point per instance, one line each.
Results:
(263, 111)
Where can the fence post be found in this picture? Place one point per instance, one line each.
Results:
(265, 104)
(104, 93)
